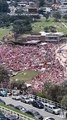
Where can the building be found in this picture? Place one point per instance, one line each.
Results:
(63, 8)
(50, 2)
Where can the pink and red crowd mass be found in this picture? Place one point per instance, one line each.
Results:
(38, 58)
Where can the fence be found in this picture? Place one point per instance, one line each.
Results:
(18, 115)
(44, 100)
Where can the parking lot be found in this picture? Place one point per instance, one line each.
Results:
(9, 100)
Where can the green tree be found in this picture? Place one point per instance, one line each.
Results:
(19, 11)
(41, 3)
(51, 91)
(64, 101)
(4, 6)
(52, 29)
(57, 16)
(47, 14)
(4, 77)
(21, 26)
(65, 16)
(46, 29)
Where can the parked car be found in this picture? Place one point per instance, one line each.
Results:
(21, 108)
(11, 117)
(52, 108)
(35, 114)
(49, 118)
(2, 117)
(16, 97)
(37, 104)
(25, 99)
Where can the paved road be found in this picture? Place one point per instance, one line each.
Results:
(45, 114)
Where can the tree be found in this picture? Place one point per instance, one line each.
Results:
(41, 3)
(19, 11)
(4, 78)
(21, 26)
(57, 16)
(4, 6)
(20, 85)
(65, 16)
(51, 91)
(52, 29)
(46, 29)
(64, 101)
(47, 14)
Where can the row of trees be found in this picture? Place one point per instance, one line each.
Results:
(21, 24)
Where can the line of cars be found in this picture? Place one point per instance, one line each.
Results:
(38, 104)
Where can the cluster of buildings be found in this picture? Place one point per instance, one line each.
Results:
(31, 7)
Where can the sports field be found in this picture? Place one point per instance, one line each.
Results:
(38, 26)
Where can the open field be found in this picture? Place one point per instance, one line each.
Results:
(4, 31)
(42, 23)
(25, 76)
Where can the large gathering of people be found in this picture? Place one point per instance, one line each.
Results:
(39, 58)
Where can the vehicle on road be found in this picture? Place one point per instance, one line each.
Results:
(26, 99)
(21, 108)
(52, 108)
(37, 104)
(49, 118)
(35, 114)
(11, 117)
(16, 97)
(2, 117)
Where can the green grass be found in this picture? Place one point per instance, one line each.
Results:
(25, 76)
(42, 23)
(4, 31)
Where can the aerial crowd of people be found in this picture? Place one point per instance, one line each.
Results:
(39, 58)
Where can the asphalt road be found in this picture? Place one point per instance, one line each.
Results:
(45, 114)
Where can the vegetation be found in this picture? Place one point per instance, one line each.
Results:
(25, 76)
(53, 92)
(41, 3)
(21, 26)
(3, 77)
(4, 6)
(57, 16)
(4, 31)
(42, 23)
(64, 101)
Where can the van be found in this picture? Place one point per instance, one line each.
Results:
(52, 108)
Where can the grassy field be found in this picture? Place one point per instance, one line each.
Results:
(42, 23)
(25, 76)
(4, 31)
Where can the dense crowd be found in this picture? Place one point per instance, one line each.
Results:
(41, 58)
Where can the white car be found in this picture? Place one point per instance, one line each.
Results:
(52, 108)
(16, 97)
(49, 118)
(26, 99)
